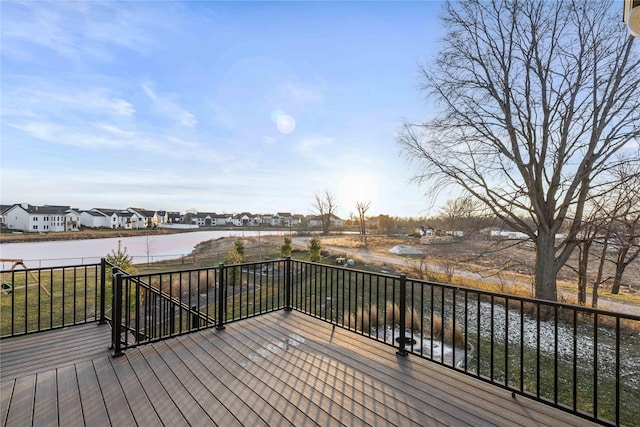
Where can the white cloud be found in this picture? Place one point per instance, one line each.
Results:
(167, 107)
(301, 92)
(29, 99)
(314, 146)
(96, 27)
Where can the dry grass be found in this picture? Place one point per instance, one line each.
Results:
(412, 321)
(392, 313)
(196, 281)
(451, 332)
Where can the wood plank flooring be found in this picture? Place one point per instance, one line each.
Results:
(284, 368)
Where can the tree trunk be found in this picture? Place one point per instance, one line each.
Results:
(546, 267)
(583, 261)
(620, 267)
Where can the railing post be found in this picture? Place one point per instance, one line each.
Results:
(103, 287)
(117, 315)
(403, 315)
(222, 288)
(287, 285)
(195, 321)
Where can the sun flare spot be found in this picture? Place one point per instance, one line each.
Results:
(284, 122)
(357, 188)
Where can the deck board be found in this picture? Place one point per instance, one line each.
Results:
(53, 349)
(45, 411)
(6, 390)
(367, 397)
(69, 404)
(21, 406)
(276, 369)
(118, 408)
(154, 390)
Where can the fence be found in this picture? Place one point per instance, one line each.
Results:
(156, 306)
(584, 361)
(39, 299)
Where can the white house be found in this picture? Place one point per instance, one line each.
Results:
(316, 221)
(210, 219)
(42, 219)
(242, 219)
(145, 218)
(95, 219)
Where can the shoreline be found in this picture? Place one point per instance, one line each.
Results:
(7, 236)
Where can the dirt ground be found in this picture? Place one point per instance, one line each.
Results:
(490, 260)
(497, 258)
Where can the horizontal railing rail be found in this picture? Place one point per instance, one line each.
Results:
(39, 299)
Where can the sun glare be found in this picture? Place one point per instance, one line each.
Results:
(357, 188)
(285, 123)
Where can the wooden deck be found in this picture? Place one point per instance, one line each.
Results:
(277, 369)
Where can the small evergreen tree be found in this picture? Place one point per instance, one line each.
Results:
(121, 259)
(315, 247)
(234, 257)
(239, 245)
(285, 250)
(124, 262)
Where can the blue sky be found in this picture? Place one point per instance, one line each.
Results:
(217, 106)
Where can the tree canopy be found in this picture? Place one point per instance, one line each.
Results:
(535, 100)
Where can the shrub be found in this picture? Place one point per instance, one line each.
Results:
(315, 248)
(286, 248)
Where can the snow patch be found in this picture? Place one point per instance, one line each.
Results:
(405, 250)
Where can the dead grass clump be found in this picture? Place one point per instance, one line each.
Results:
(392, 314)
(351, 321)
(453, 333)
(437, 326)
(412, 321)
(373, 316)
(362, 320)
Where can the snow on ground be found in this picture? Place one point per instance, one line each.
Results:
(405, 250)
(440, 349)
(629, 354)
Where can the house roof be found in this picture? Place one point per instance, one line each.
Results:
(47, 209)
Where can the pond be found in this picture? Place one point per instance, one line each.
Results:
(89, 251)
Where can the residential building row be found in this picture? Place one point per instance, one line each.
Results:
(52, 218)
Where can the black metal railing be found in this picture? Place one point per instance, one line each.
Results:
(39, 299)
(156, 306)
(582, 360)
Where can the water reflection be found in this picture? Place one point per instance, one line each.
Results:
(74, 252)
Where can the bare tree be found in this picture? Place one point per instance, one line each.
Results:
(324, 205)
(535, 98)
(625, 224)
(463, 214)
(362, 208)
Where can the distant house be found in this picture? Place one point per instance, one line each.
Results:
(316, 221)
(42, 219)
(243, 219)
(95, 219)
(285, 219)
(209, 219)
(173, 218)
(145, 217)
(128, 219)
(3, 209)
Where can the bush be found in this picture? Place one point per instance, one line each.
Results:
(286, 248)
(315, 248)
